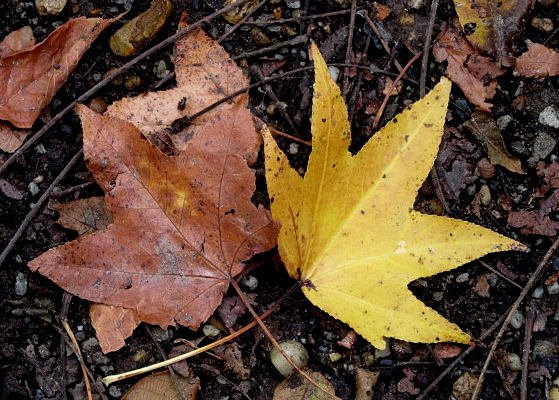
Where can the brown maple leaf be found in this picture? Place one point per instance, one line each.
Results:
(182, 226)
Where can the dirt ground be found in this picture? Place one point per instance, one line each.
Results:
(34, 359)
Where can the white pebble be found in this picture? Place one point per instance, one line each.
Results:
(538, 292)
(294, 350)
(33, 188)
(210, 331)
(250, 282)
(293, 148)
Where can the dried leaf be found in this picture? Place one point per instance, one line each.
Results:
(10, 190)
(452, 47)
(365, 381)
(348, 228)
(492, 27)
(297, 387)
(83, 215)
(32, 77)
(447, 350)
(112, 325)
(17, 41)
(205, 74)
(162, 386)
(487, 132)
(10, 138)
(182, 226)
(532, 223)
(539, 61)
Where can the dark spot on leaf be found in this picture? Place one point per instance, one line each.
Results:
(231, 211)
(324, 120)
(182, 104)
(362, 211)
(470, 29)
(426, 125)
(406, 138)
(384, 176)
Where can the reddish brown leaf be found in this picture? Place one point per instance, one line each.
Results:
(112, 325)
(10, 138)
(17, 41)
(477, 83)
(182, 226)
(32, 77)
(537, 62)
(205, 74)
(532, 222)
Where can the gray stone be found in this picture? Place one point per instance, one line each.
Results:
(543, 146)
(548, 117)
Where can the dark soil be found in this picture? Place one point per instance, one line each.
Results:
(34, 360)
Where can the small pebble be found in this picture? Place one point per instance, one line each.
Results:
(334, 357)
(517, 320)
(485, 195)
(260, 38)
(140, 356)
(415, 4)
(438, 296)
(133, 82)
(504, 121)
(250, 282)
(294, 350)
(538, 292)
(50, 7)
(514, 362)
(33, 188)
(334, 73)
(462, 278)
(210, 331)
(40, 149)
(161, 69)
(519, 148)
(115, 392)
(21, 284)
(98, 105)
(543, 146)
(44, 351)
(293, 148)
(293, 4)
(90, 344)
(548, 117)
(543, 24)
(406, 18)
(553, 289)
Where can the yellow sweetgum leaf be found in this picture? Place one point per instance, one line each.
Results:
(348, 228)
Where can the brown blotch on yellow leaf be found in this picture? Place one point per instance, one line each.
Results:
(325, 239)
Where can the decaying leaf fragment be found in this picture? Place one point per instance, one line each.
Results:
(162, 386)
(487, 132)
(348, 228)
(493, 26)
(472, 72)
(183, 225)
(31, 77)
(537, 62)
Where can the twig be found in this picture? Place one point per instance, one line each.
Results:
(382, 41)
(67, 298)
(349, 47)
(109, 78)
(259, 77)
(529, 285)
(38, 206)
(291, 42)
(426, 47)
(497, 272)
(391, 88)
(528, 330)
(296, 139)
(304, 17)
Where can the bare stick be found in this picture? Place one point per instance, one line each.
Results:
(38, 206)
(426, 47)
